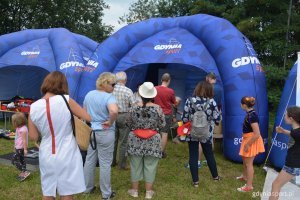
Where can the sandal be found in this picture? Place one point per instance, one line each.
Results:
(134, 193)
(218, 178)
(241, 178)
(196, 184)
(245, 188)
(149, 194)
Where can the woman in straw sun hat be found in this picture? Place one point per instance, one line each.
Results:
(144, 142)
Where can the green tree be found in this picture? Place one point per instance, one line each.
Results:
(79, 16)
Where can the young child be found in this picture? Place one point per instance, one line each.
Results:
(19, 122)
(291, 167)
(252, 143)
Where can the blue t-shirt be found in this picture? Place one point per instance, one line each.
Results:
(96, 103)
(250, 118)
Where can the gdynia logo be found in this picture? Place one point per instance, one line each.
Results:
(244, 61)
(78, 64)
(27, 53)
(173, 47)
(166, 47)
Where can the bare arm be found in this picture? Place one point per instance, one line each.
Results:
(78, 111)
(113, 113)
(279, 129)
(33, 132)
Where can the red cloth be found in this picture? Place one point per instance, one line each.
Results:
(184, 129)
(165, 98)
(144, 133)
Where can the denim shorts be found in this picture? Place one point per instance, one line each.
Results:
(291, 170)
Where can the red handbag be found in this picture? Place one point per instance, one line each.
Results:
(144, 133)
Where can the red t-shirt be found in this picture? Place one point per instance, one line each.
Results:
(165, 98)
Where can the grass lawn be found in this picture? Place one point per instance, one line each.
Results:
(173, 180)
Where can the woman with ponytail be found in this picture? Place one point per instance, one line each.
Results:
(252, 143)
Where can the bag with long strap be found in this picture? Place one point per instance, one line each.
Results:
(81, 130)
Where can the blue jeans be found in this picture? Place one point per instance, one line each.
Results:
(209, 155)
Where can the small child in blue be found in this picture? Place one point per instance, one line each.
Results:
(291, 167)
(21, 142)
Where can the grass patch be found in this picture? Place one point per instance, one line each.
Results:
(173, 180)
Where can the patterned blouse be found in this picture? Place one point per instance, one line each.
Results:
(212, 112)
(149, 117)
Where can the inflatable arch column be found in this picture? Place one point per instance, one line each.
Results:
(280, 141)
(35, 53)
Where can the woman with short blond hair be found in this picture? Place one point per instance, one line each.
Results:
(101, 105)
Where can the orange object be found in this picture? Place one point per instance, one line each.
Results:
(256, 148)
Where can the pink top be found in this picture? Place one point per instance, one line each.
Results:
(18, 138)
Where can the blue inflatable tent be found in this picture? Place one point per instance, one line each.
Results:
(280, 141)
(188, 48)
(26, 57)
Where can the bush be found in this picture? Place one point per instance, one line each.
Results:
(275, 82)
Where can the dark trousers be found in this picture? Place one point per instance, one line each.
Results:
(209, 155)
(18, 160)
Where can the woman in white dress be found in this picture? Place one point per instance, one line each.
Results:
(60, 160)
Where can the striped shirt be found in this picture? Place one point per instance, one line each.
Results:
(124, 97)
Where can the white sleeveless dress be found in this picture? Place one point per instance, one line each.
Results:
(61, 171)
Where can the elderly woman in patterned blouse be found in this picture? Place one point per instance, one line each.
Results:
(144, 143)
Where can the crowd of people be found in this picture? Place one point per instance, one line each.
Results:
(133, 125)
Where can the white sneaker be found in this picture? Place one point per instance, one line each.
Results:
(149, 194)
(133, 193)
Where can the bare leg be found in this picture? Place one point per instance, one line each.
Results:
(68, 197)
(135, 185)
(244, 169)
(48, 198)
(148, 186)
(200, 152)
(249, 170)
(282, 178)
(164, 140)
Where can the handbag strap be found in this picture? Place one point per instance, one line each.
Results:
(50, 125)
(72, 117)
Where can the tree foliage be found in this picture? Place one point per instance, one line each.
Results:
(264, 22)
(79, 16)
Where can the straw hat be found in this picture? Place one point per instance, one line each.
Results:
(147, 90)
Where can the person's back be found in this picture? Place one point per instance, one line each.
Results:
(60, 161)
(98, 109)
(125, 101)
(165, 98)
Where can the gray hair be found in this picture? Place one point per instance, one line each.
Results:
(121, 76)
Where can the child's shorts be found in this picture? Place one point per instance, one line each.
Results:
(255, 148)
(291, 170)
